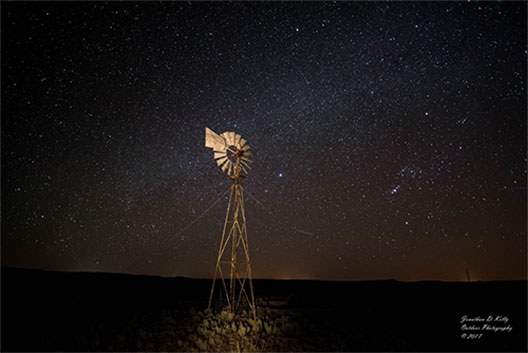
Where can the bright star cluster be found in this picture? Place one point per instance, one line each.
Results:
(389, 138)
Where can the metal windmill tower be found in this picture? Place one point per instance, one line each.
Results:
(231, 153)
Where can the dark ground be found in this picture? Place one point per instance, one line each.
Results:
(53, 311)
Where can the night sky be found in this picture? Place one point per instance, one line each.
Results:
(389, 139)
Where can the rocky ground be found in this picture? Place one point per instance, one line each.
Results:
(277, 328)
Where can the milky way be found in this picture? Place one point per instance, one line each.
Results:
(389, 139)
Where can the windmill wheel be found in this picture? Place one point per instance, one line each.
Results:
(231, 152)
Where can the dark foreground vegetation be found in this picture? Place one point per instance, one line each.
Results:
(52, 311)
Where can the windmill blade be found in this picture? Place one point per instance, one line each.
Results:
(245, 164)
(231, 138)
(247, 159)
(236, 142)
(226, 136)
(247, 154)
(214, 141)
(225, 166)
(230, 169)
(241, 143)
(244, 169)
(245, 148)
(219, 162)
(220, 154)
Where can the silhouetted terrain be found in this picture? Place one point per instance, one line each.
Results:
(51, 311)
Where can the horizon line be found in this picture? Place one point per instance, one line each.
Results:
(266, 278)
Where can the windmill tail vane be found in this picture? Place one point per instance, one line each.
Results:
(233, 267)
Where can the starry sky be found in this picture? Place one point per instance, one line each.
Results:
(389, 138)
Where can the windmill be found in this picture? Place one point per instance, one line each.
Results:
(231, 153)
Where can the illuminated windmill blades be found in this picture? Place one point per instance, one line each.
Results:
(247, 159)
(221, 161)
(225, 146)
(225, 137)
(237, 141)
(225, 166)
(230, 138)
(219, 154)
(245, 164)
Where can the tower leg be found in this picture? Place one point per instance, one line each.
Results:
(221, 249)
